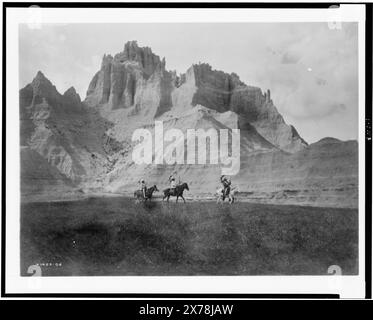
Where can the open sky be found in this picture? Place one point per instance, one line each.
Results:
(311, 70)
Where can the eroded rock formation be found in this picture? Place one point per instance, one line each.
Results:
(87, 145)
(63, 131)
(136, 78)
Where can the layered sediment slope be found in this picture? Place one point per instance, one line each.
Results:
(88, 143)
(70, 136)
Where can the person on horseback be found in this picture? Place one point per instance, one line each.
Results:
(172, 184)
(143, 187)
(226, 185)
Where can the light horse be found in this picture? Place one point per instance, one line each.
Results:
(178, 192)
(221, 196)
(139, 195)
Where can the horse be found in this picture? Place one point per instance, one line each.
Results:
(178, 192)
(221, 195)
(139, 195)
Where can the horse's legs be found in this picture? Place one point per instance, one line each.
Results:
(177, 198)
(231, 199)
(182, 198)
(168, 198)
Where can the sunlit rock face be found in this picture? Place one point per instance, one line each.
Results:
(136, 78)
(222, 92)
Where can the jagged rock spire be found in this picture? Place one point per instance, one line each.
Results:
(136, 77)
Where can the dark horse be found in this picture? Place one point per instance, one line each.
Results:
(178, 192)
(139, 195)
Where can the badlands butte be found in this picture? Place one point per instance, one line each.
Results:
(71, 147)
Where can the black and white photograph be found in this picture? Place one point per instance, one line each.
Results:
(188, 148)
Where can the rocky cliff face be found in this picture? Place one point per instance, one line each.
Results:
(87, 145)
(133, 78)
(137, 79)
(222, 92)
(69, 136)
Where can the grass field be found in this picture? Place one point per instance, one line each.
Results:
(114, 236)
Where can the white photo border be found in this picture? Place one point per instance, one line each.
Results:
(345, 286)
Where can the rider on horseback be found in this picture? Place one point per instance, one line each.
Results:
(172, 184)
(143, 187)
(226, 185)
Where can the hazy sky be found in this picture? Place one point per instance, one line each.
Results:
(311, 70)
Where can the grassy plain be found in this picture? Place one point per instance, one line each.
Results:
(115, 236)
